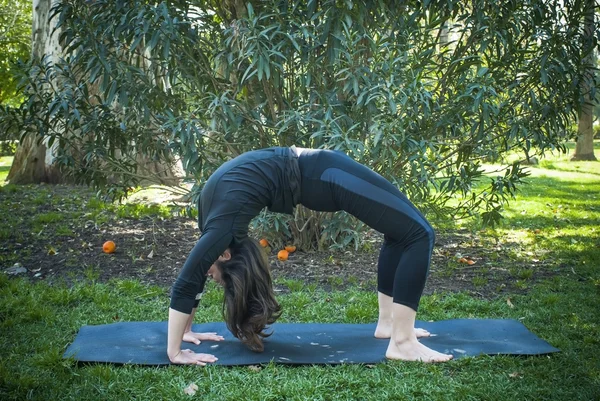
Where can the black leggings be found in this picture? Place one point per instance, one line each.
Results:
(332, 181)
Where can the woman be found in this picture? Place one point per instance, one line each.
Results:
(280, 179)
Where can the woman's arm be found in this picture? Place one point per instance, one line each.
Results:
(212, 243)
(190, 282)
(196, 338)
(190, 321)
(177, 324)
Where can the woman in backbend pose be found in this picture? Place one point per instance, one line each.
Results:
(280, 179)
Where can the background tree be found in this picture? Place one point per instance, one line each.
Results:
(33, 160)
(204, 81)
(15, 43)
(48, 83)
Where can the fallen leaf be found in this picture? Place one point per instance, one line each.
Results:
(151, 254)
(509, 303)
(191, 389)
(470, 262)
(16, 269)
(254, 368)
(52, 251)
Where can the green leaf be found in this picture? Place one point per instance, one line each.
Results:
(110, 97)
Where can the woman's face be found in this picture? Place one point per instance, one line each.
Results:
(215, 271)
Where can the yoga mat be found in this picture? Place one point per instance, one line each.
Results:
(145, 343)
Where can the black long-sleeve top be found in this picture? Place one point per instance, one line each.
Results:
(235, 194)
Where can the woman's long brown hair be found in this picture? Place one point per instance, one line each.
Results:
(249, 304)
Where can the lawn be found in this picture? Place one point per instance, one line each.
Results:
(5, 162)
(540, 266)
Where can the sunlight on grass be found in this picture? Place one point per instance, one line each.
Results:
(156, 195)
(5, 163)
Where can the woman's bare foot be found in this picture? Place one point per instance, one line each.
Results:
(404, 344)
(384, 330)
(412, 350)
(421, 333)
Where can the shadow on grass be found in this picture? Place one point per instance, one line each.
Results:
(569, 168)
(551, 222)
(542, 188)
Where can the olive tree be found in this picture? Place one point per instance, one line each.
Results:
(422, 92)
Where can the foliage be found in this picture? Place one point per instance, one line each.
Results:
(308, 229)
(8, 148)
(15, 43)
(205, 81)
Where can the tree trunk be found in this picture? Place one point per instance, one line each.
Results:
(33, 160)
(160, 172)
(30, 166)
(584, 150)
(444, 37)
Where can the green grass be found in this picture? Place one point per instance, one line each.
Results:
(558, 209)
(101, 211)
(5, 163)
(38, 321)
(555, 219)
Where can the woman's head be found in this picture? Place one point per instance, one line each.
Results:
(249, 304)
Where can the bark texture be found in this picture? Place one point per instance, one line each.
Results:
(33, 160)
(584, 150)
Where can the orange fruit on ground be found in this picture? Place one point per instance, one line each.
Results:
(109, 247)
(290, 248)
(283, 255)
(264, 242)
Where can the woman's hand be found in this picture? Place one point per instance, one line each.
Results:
(196, 338)
(189, 357)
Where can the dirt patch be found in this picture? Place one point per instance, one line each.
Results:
(153, 250)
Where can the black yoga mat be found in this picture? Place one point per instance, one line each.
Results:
(145, 343)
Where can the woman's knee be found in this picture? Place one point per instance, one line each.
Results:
(427, 232)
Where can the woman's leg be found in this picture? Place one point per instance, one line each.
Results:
(385, 321)
(405, 265)
(336, 182)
